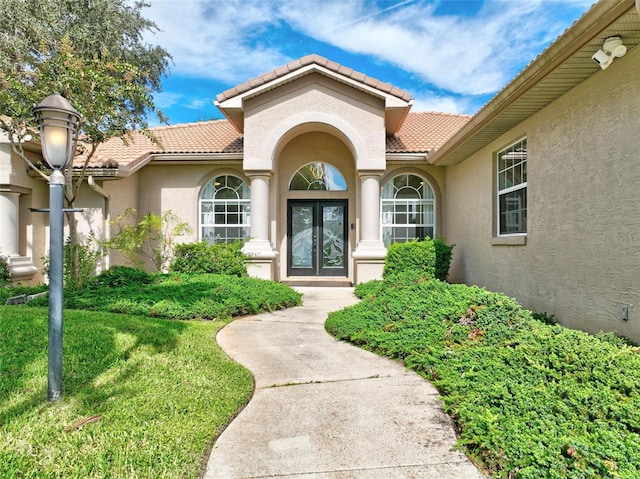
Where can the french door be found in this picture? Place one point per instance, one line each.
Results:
(317, 232)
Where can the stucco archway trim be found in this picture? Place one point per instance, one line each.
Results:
(313, 121)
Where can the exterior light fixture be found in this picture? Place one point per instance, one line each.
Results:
(58, 122)
(611, 49)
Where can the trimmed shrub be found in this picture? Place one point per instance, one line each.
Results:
(6, 277)
(443, 258)
(530, 400)
(121, 276)
(413, 256)
(217, 258)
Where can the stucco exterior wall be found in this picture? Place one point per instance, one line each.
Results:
(158, 188)
(319, 103)
(581, 260)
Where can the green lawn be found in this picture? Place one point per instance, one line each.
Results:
(159, 391)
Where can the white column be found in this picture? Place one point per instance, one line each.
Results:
(22, 267)
(370, 245)
(259, 246)
(9, 219)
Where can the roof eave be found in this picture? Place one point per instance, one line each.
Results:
(594, 21)
(396, 108)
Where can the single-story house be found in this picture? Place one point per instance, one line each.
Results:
(320, 168)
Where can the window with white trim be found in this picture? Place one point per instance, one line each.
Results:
(407, 209)
(512, 189)
(225, 207)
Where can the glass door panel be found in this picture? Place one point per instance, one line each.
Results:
(302, 237)
(317, 232)
(333, 232)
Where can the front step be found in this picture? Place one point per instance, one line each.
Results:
(327, 283)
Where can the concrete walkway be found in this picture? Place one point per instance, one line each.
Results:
(325, 409)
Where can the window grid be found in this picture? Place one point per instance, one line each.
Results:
(407, 209)
(225, 210)
(512, 189)
(318, 176)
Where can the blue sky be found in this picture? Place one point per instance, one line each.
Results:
(451, 55)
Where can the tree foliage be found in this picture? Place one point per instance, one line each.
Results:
(94, 54)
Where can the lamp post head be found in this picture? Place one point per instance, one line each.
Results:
(58, 122)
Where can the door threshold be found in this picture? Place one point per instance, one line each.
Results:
(321, 282)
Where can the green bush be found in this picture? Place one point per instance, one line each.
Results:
(121, 276)
(79, 262)
(417, 256)
(178, 295)
(531, 400)
(6, 277)
(217, 258)
(443, 258)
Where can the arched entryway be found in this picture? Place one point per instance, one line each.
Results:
(317, 217)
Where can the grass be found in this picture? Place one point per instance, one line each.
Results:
(143, 397)
(159, 392)
(531, 400)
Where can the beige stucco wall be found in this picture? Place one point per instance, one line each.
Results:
(581, 260)
(160, 187)
(316, 103)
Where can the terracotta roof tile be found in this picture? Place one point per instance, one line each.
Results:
(308, 60)
(217, 136)
(420, 133)
(423, 132)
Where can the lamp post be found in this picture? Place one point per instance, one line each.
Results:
(58, 122)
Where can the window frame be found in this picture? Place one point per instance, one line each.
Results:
(424, 200)
(243, 210)
(520, 148)
(318, 176)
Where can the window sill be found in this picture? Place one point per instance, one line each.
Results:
(509, 241)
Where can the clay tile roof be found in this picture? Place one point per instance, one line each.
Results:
(420, 133)
(423, 132)
(308, 60)
(216, 136)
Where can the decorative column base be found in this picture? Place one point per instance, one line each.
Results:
(261, 259)
(369, 259)
(22, 268)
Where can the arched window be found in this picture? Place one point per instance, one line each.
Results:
(318, 177)
(225, 205)
(408, 209)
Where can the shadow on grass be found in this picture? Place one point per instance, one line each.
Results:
(93, 344)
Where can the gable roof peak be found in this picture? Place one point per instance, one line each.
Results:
(305, 61)
(397, 102)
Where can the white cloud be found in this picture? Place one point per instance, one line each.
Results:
(215, 39)
(470, 55)
(233, 41)
(446, 104)
(167, 99)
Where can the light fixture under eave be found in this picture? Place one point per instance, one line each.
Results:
(611, 49)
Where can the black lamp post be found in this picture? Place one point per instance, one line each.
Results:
(58, 122)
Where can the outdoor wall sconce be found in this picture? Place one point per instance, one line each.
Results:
(611, 49)
(58, 122)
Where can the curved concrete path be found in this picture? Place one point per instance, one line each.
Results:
(325, 409)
